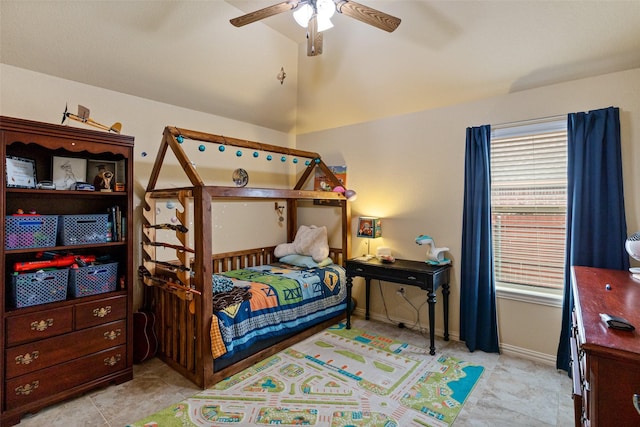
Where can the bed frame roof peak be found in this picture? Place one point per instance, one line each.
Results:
(170, 139)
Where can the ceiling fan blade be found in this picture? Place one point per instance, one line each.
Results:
(264, 13)
(368, 15)
(314, 37)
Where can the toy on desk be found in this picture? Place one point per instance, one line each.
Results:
(435, 255)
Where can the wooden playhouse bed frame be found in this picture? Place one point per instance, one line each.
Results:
(183, 309)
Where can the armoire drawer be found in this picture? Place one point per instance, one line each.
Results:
(42, 354)
(37, 385)
(35, 326)
(100, 311)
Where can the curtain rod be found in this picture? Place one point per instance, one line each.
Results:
(529, 121)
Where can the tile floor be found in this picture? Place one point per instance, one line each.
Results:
(512, 392)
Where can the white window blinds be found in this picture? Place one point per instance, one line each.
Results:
(528, 203)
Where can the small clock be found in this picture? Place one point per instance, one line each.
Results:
(240, 177)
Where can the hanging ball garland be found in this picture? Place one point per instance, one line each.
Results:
(180, 139)
(255, 154)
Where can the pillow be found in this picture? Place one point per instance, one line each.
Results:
(308, 241)
(305, 261)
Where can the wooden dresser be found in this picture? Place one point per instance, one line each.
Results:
(56, 348)
(605, 362)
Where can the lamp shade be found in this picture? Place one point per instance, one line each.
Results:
(369, 227)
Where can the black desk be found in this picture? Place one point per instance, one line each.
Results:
(406, 272)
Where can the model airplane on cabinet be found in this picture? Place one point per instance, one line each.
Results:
(83, 117)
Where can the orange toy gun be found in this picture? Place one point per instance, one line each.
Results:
(60, 261)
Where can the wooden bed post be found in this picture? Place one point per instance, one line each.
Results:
(292, 219)
(203, 270)
(346, 231)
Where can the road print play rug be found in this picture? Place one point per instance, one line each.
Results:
(336, 378)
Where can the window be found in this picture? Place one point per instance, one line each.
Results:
(528, 205)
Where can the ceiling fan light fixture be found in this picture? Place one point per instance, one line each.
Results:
(324, 23)
(303, 14)
(326, 9)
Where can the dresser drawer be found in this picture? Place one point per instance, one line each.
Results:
(43, 324)
(44, 383)
(42, 354)
(100, 311)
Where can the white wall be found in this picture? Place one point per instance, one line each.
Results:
(409, 170)
(35, 96)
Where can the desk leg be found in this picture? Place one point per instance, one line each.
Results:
(349, 286)
(431, 299)
(445, 301)
(368, 297)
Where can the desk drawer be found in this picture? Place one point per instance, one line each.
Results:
(396, 276)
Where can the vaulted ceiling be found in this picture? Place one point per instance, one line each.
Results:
(186, 53)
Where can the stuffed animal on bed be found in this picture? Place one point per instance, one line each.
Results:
(311, 241)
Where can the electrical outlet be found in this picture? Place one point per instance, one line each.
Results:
(400, 291)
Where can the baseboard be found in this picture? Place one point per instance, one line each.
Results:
(525, 353)
(508, 349)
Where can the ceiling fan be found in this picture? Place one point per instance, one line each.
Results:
(315, 16)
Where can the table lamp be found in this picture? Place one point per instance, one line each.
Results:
(369, 227)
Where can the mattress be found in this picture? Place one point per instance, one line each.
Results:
(273, 300)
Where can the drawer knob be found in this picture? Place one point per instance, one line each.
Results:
(27, 389)
(110, 361)
(102, 311)
(25, 359)
(112, 335)
(41, 325)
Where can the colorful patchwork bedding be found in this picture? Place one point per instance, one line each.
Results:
(272, 300)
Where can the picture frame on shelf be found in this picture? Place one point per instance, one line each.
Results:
(67, 171)
(21, 172)
(102, 174)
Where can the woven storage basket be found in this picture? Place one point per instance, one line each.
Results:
(93, 279)
(83, 229)
(30, 231)
(41, 287)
